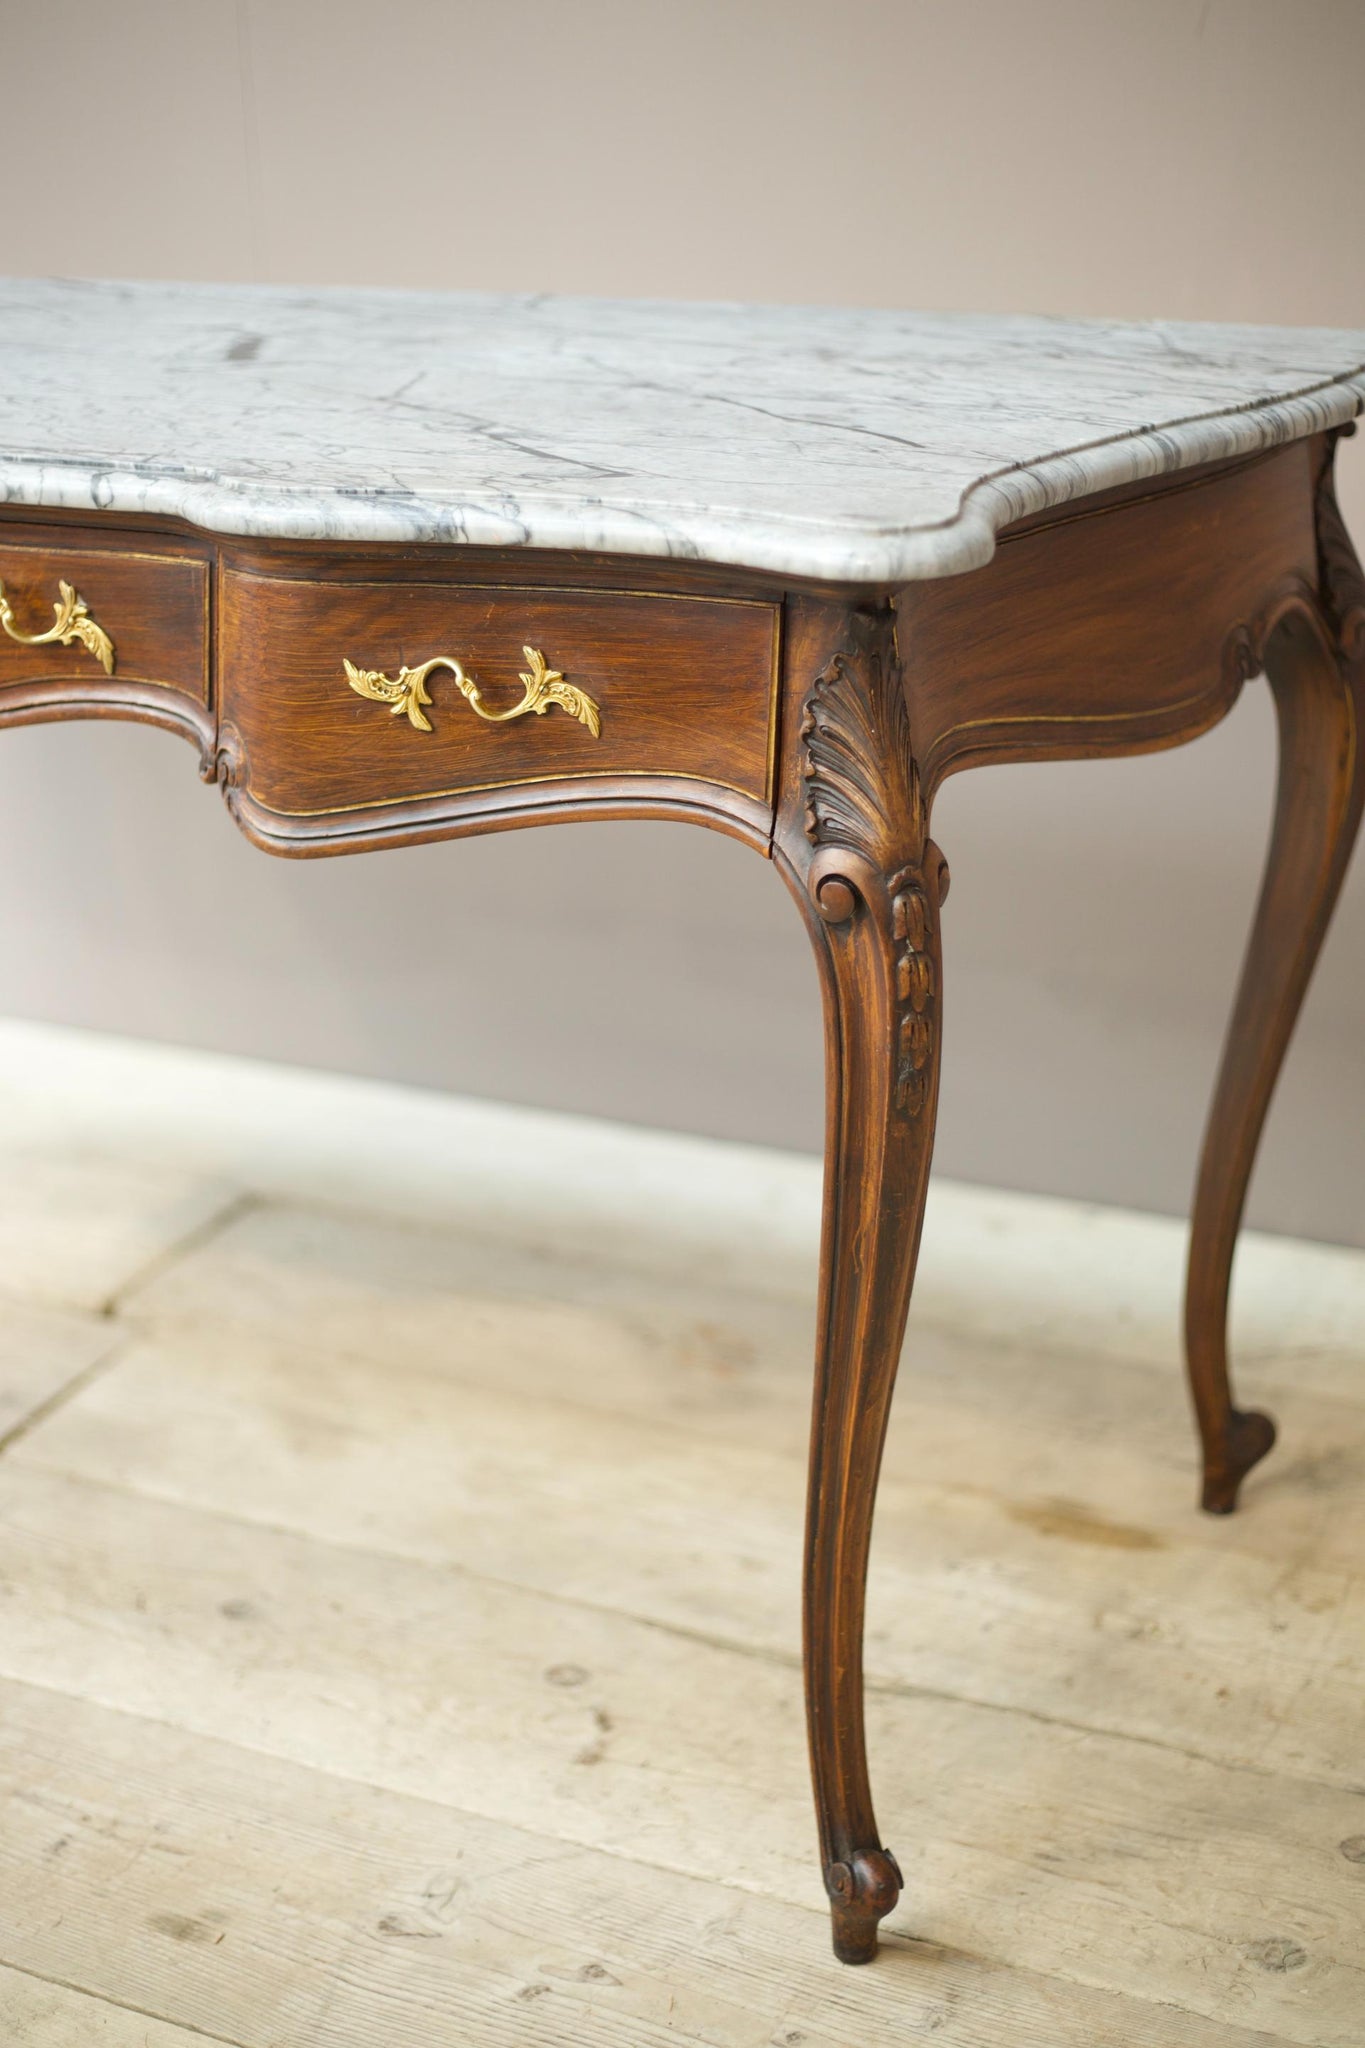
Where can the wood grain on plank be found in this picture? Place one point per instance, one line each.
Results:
(1066, 1279)
(1127, 1615)
(266, 1902)
(38, 2014)
(1111, 1863)
(76, 1229)
(520, 1317)
(43, 1351)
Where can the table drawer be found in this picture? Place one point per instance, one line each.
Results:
(331, 693)
(103, 617)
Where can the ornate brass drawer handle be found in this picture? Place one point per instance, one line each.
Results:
(407, 691)
(73, 622)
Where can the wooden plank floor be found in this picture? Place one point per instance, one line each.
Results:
(398, 1632)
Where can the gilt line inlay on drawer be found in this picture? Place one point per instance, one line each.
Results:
(149, 609)
(638, 685)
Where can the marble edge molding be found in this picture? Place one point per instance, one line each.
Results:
(795, 546)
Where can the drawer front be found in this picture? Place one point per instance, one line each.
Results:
(131, 617)
(673, 686)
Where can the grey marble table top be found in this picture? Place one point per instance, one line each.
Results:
(856, 446)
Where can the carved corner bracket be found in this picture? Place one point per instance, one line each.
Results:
(1341, 581)
(1331, 605)
(864, 816)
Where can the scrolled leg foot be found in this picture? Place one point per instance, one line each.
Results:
(861, 1893)
(1247, 1438)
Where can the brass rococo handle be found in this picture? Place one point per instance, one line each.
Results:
(407, 692)
(73, 622)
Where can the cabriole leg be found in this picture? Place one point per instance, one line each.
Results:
(1315, 662)
(872, 884)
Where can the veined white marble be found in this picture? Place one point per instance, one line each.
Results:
(857, 446)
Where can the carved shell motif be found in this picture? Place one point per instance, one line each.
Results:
(862, 789)
(863, 793)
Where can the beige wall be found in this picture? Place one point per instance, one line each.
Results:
(1086, 156)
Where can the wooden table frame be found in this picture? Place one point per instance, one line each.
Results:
(816, 723)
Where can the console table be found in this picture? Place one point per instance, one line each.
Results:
(403, 567)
